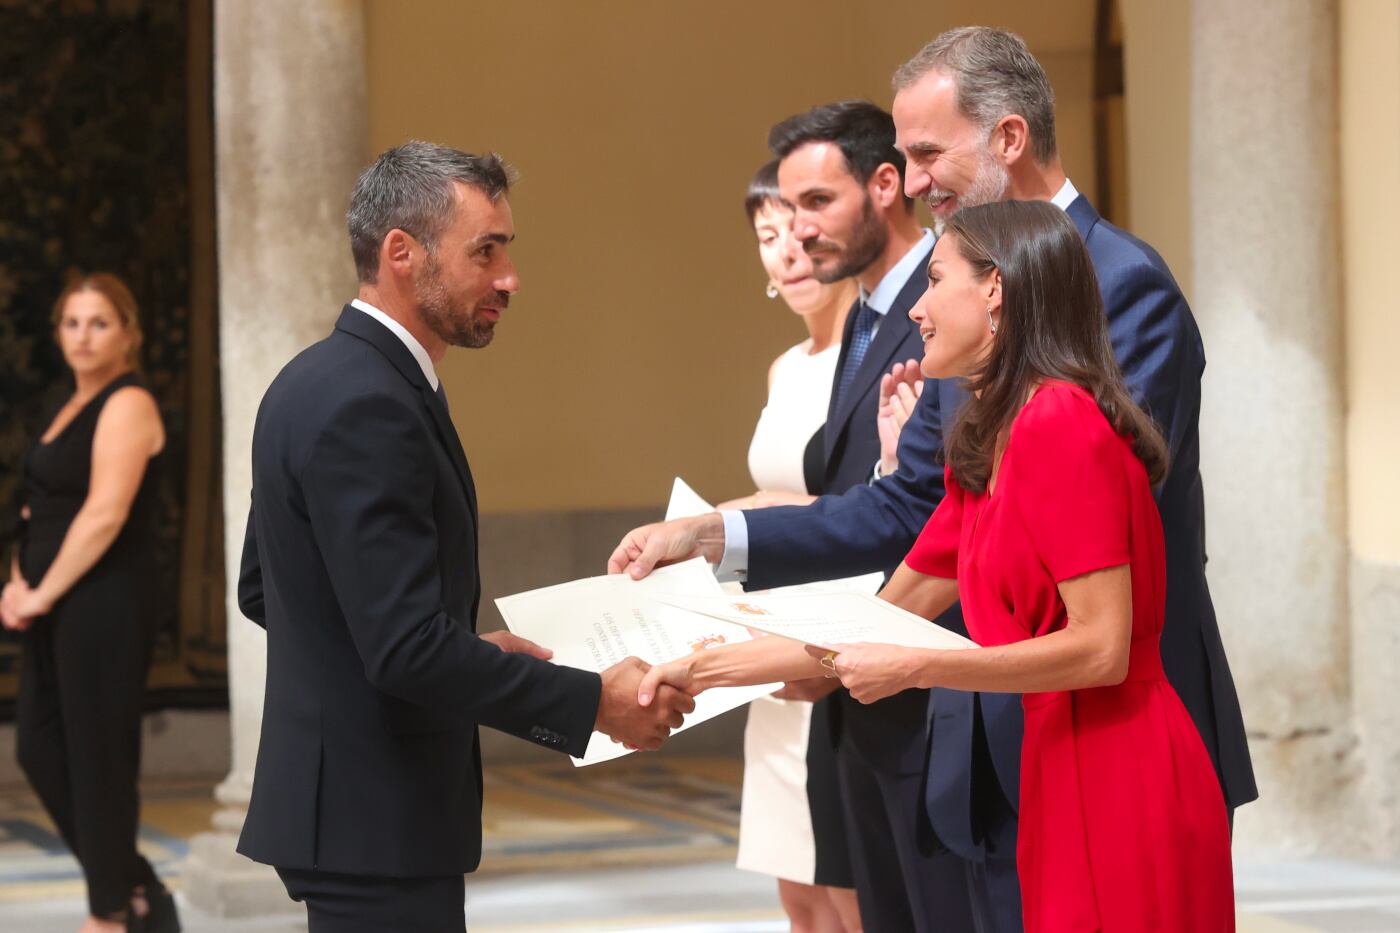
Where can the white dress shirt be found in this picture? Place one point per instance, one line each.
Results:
(1065, 196)
(734, 564)
(425, 362)
(888, 290)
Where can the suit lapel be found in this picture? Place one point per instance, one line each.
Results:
(894, 328)
(447, 434)
(355, 322)
(1083, 214)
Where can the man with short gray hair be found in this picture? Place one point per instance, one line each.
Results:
(361, 563)
(974, 114)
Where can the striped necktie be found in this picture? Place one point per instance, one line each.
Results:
(860, 342)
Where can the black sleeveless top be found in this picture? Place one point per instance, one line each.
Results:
(56, 477)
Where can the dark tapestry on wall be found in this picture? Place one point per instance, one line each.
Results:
(106, 165)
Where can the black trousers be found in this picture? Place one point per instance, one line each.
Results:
(338, 903)
(905, 883)
(78, 739)
(995, 890)
(992, 884)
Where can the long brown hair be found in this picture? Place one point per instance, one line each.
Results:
(115, 291)
(1052, 327)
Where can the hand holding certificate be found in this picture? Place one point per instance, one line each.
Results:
(821, 619)
(873, 646)
(600, 621)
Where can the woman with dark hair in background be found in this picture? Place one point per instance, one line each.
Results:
(790, 824)
(79, 590)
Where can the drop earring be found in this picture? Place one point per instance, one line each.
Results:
(771, 291)
(990, 321)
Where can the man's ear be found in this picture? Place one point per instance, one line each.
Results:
(1011, 139)
(396, 253)
(885, 186)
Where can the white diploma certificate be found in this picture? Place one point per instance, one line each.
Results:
(824, 619)
(685, 501)
(596, 622)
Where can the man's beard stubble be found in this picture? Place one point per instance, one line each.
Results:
(988, 186)
(868, 241)
(457, 327)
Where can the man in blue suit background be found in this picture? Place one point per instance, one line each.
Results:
(975, 118)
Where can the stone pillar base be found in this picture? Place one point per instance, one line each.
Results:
(220, 882)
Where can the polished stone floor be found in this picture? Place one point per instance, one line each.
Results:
(641, 847)
(713, 897)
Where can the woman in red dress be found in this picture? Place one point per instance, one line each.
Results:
(1050, 536)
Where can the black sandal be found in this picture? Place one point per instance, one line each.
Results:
(160, 916)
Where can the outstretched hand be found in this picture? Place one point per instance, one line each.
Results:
(872, 672)
(900, 389)
(510, 642)
(644, 549)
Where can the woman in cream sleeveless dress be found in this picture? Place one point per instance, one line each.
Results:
(791, 822)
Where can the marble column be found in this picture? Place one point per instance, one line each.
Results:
(1265, 248)
(1369, 45)
(290, 135)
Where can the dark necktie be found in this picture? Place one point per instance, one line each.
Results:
(866, 318)
(442, 397)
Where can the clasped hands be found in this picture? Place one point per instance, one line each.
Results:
(635, 714)
(620, 716)
(21, 604)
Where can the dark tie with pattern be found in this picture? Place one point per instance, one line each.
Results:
(860, 342)
(442, 397)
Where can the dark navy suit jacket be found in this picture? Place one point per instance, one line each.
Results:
(360, 561)
(872, 527)
(850, 442)
(851, 445)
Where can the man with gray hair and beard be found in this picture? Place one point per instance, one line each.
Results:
(974, 116)
(361, 563)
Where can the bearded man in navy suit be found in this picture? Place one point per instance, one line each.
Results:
(974, 114)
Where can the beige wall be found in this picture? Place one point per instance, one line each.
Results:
(638, 346)
(1157, 75)
(1370, 163)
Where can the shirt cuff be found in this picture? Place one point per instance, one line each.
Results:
(734, 564)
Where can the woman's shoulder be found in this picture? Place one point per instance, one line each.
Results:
(798, 362)
(130, 403)
(1059, 412)
(796, 352)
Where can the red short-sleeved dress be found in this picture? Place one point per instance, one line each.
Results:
(1122, 821)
